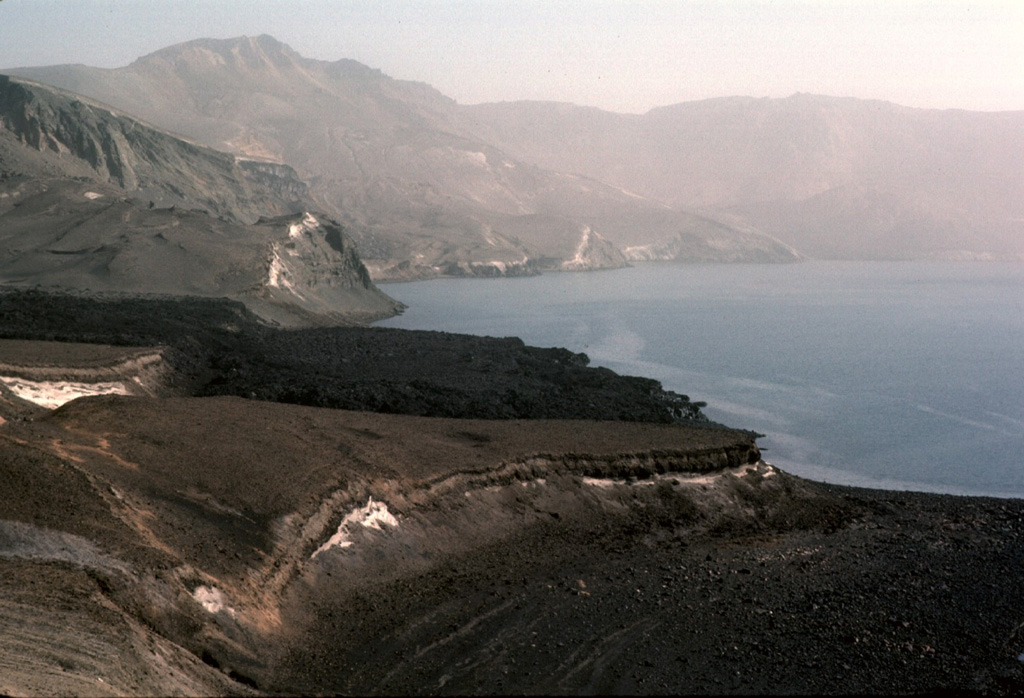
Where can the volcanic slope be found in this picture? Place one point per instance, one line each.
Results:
(217, 347)
(837, 178)
(224, 546)
(69, 135)
(832, 177)
(389, 159)
(96, 201)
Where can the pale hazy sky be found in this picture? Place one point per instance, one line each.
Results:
(620, 55)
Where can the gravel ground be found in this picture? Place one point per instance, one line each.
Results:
(881, 593)
(529, 556)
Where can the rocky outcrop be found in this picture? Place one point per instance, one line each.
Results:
(490, 269)
(91, 200)
(296, 270)
(94, 201)
(33, 372)
(730, 247)
(594, 252)
(35, 376)
(275, 177)
(315, 273)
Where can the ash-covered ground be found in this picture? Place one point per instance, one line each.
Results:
(219, 348)
(584, 533)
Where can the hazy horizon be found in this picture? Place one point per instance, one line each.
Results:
(619, 56)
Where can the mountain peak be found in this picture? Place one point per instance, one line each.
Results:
(249, 52)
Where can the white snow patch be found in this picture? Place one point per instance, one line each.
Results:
(478, 159)
(212, 599)
(93, 195)
(53, 394)
(374, 515)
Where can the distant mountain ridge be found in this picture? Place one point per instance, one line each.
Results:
(428, 186)
(390, 160)
(833, 177)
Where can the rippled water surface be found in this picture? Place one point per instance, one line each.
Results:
(897, 375)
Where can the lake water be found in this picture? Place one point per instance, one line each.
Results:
(905, 375)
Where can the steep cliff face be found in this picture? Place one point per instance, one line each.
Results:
(292, 270)
(78, 137)
(92, 200)
(275, 177)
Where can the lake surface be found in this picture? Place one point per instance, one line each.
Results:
(904, 375)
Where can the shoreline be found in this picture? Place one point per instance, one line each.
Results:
(259, 542)
(871, 369)
(217, 544)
